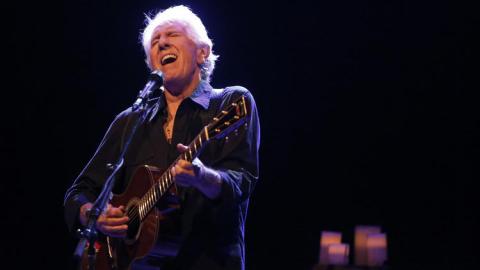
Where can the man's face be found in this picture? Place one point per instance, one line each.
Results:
(175, 54)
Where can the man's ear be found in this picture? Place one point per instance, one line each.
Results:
(202, 54)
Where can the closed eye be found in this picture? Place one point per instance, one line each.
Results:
(156, 38)
(173, 34)
(154, 41)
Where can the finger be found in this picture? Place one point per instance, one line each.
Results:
(181, 148)
(113, 221)
(179, 170)
(115, 212)
(114, 229)
(184, 164)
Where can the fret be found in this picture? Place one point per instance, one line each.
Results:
(169, 175)
(143, 209)
(149, 200)
(206, 133)
(158, 187)
(145, 203)
(161, 183)
(190, 153)
(152, 190)
(165, 184)
(167, 181)
(140, 210)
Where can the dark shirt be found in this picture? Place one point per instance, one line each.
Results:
(211, 232)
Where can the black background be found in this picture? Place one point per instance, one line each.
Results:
(369, 114)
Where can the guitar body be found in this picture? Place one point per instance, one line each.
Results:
(119, 254)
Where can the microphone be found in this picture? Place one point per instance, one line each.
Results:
(155, 80)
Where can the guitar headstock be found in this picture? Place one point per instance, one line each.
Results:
(229, 119)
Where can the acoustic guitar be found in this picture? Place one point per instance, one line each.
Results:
(147, 187)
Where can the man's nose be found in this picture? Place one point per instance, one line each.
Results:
(163, 43)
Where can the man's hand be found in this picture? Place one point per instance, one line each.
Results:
(195, 174)
(111, 222)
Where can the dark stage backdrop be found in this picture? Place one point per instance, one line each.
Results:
(369, 114)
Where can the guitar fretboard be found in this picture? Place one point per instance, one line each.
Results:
(163, 184)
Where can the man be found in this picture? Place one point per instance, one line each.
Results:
(206, 231)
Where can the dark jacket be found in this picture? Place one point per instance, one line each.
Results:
(212, 231)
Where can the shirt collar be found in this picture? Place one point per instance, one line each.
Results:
(201, 95)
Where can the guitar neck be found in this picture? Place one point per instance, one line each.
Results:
(165, 181)
(228, 120)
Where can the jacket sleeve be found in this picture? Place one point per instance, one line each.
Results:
(89, 183)
(237, 161)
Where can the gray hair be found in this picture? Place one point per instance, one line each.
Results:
(194, 28)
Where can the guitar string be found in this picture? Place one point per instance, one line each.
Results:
(134, 212)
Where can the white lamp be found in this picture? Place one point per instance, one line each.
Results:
(327, 238)
(338, 254)
(376, 249)
(361, 233)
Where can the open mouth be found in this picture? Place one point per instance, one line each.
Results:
(168, 59)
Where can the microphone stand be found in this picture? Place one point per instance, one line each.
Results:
(89, 233)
